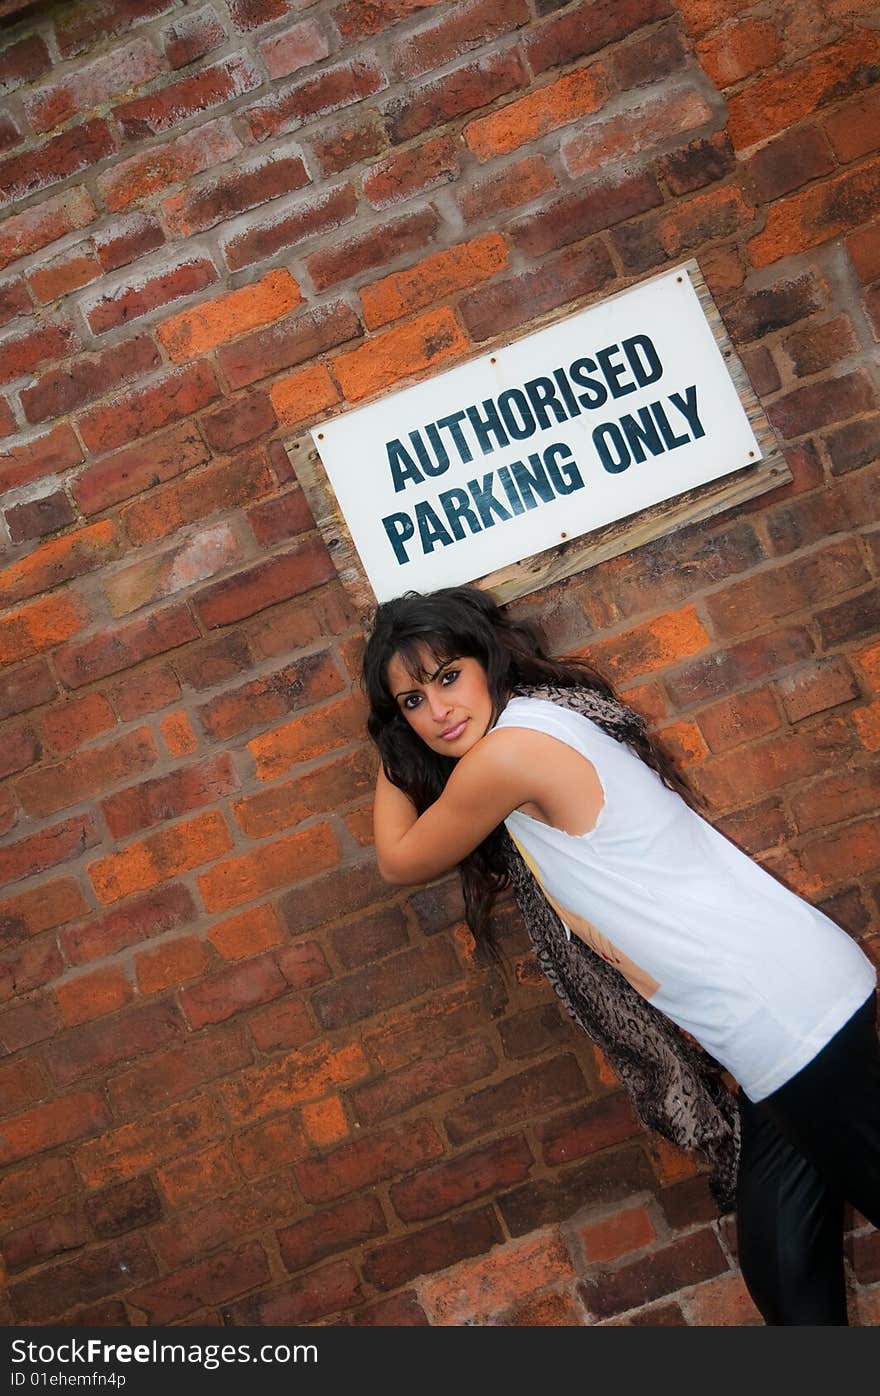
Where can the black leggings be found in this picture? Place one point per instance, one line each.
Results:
(807, 1149)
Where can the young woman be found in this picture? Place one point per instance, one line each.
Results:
(655, 930)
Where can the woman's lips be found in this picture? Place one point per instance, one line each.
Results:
(452, 733)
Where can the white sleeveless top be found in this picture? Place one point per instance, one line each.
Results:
(762, 979)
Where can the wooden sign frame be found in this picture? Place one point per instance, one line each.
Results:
(577, 555)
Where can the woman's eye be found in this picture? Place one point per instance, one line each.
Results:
(411, 701)
(450, 676)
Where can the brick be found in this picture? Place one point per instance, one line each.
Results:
(192, 96)
(190, 1180)
(546, 109)
(330, 1231)
(24, 354)
(77, 720)
(816, 689)
(834, 799)
(45, 908)
(130, 1149)
(286, 861)
(91, 85)
(244, 420)
(92, 22)
(607, 1177)
(269, 582)
(576, 272)
(174, 162)
(821, 404)
(93, 1275)
(93, 995)
(192, 36)
(10, 132)
(131, 471)
(81, 381)
(447, 1185)
(332, 1288)
(398, 1311)
(146, 693)
(739, 50)
(439, 42)
(304, 964)
(27, 1023)
(193, 1233)
(36, 1187)
(39, 626)
(14, 300)
(685, 1262)
(855, 445)
(126, 646)
(239, 937)
(58, 561)
(270, 1147)
(309, 98)
(253, 182)
(123, 1207)
(232, 991)
(151, 293)
(49, 454)
(43, 1240)
(576, 216)
(169, 796)
(820, 346)
(288, 343)
(627, 1231)
(307, 1075)
(432, 1248)
(202, 556)
(741, 776)
(433, 279)
(518, 183)
(21, 750)
(585, 29)
(46, 1126)
(632, 130)
(291, 49)
(361, 18)
(325, 1121)
(23, 61)
(31, 967)
(97, 1045)
(535, 1090)
(330, 786)
(170, 965)
(791, 587)
(587, 1129)
(80, 777)
(741, 718)
(779, 99)
(307, 737)
(159, 857)
(303, 395)
(22, 1084)
(361, 137)
(179, 393)
(430, 1078)
(463, 90)
(165, 1076)
(377, 247)
(377, 987)
(223, 485)
(700, 162)
(44, 223)
(197, 331)
(475, 1291)
(283, 1024)
(399, 353)
(791, 160)
(757, 314)
(250, 14)
(850, 620)
(411, 172)
(58, 158)
(47, 848)
(822, 211)
(281, 518)
(356, 1166)
(300, 684)
(126, 239)
(863, 247)
(72, 270)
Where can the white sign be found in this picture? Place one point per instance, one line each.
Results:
(594, 418)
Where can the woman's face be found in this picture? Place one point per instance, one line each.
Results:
(451, 709)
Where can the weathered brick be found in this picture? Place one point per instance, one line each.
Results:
(288, 343)
(303, 395)
(271, 581)
(854, 619)
(58, 158)
(741, 718)
(91, 1276)
(30, 967)
(361, 137)
(536, 1090)
(818, 213)
(270, 1147)
(863, 247)
(64, 389)
(128, 181)
(126, 239)
(308, 98)
(739, 50)
(24, 354)
(223, 485)
(26, 687)
(333, 784)
(169, 796)
(95, 1046)
(587, 28)
(36, 1187)
(607, 1177)
(90, 85)
(545, 109)
(370, 990)
(331, 1230)
(411, 172)
(430, 1078)
(197, 1177)
(14, 299)
(59, 561)
(749, 604)
(432, 1248)
(743, 776)
(81, 777)
(283, 1024)
(201, 556)
(192, 96)
(685, 1262)
(576, 272)
(132, 1148)
(177, 394)
(377, 247)
(279, 864)
(201, 1229)
(609, 140)
(26, 1023)
(452, 1184)
(576, 216)
(131, 471)
(307, 1075)
(146, 693)
(47, 848)
(298, 685)
(821, 404)
(360, 18)
(197, 331)
(288, 50)
(790, 161)
(281, 518)
(23, 61)
(123, 1207)
(518, 183)
(307, 737)
(170, 965)
(77, 720)
(253, 182)
(397, 354)
(855, 445)
(42, 1240)
(833, 799)
(128, 645)
(192, 36)
(21, 749)
(250, 14)
(49, 454)
(68, 272)
(149, 293)
(57, 1122)
(433, 279)
(781, 98)
(478, 1291)
(159, 857)
(335, 1286)
(240, 937)
(44, 223)
(354, 1167)
(231, 991)
(45, 908)
(93, 995)
(465, 89)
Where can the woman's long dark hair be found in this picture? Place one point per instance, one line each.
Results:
(458, 623)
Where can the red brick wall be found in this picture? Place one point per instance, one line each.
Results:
(244, 1080)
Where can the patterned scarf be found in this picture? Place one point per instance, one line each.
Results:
(675, 1086)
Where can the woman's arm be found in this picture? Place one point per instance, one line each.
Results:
(487, 783)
